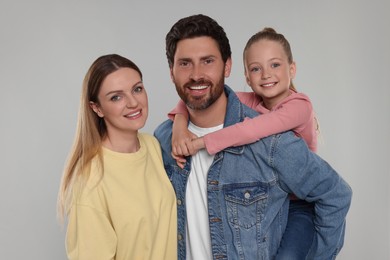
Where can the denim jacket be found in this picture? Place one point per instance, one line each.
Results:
(248, 189)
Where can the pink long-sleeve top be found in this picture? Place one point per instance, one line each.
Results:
(293, 113)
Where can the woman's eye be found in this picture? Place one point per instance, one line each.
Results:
(138, 89)
(115, 98)
(255, 69)
(275, 65)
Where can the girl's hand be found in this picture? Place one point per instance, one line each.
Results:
(182, 144)
(180, 160)
(181, 137)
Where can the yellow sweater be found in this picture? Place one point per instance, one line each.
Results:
(130, 214)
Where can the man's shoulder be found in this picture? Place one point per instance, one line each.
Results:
(163, 132)
(234, 105)
(249, 112)
(163, 127)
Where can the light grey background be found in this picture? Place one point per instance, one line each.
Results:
(342, 54)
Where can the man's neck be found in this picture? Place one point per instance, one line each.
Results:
(212, 116)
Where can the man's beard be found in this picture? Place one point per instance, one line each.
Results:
(201, 102)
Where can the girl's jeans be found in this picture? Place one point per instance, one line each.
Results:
(299, 233)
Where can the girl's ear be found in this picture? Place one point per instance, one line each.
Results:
(247, 77)
(293, 70)
(95, 108)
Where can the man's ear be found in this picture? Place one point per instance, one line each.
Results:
(95, 108)
(171, 74)
(228, 67)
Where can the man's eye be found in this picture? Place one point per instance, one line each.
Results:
(208, 61)
(183, 63)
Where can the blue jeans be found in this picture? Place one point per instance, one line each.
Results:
(298, 236)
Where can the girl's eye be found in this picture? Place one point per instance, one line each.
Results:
(255, 69)
(115, 98)
(275, 65)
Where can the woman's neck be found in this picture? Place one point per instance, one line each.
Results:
(127, 143)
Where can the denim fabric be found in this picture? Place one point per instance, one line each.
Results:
(248, 189)
(299, 233)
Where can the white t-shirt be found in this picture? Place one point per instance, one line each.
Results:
(198, 233)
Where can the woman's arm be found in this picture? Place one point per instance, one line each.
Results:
(89, 235)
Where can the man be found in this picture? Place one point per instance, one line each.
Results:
(234, 205)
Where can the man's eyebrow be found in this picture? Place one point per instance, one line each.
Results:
(184, 59)
(201, 58)
(207, 57)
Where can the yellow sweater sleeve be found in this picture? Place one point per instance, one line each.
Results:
(89, 235)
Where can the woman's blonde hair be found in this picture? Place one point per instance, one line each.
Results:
(91, 129)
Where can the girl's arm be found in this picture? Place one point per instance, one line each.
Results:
(180, 108)
(184, 143)
(289, 116)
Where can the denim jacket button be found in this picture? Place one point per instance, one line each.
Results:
(179, 237)
(247, 195)
(179, 202)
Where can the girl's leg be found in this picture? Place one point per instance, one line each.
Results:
(299, 233)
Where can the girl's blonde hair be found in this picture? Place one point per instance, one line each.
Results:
(91, 129)
(269, 33)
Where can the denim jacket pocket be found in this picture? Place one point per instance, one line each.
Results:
(245, 203)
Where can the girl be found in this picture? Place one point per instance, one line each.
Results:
(115, 192)
(269, 70)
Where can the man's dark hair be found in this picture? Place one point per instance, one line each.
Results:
(196, 26)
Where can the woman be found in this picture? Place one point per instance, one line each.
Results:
(115, 192)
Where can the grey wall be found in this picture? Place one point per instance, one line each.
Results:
(342, 54)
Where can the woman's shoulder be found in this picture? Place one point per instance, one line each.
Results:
(85, 187)
(92, 174)
(146, 137)
(149, 140)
